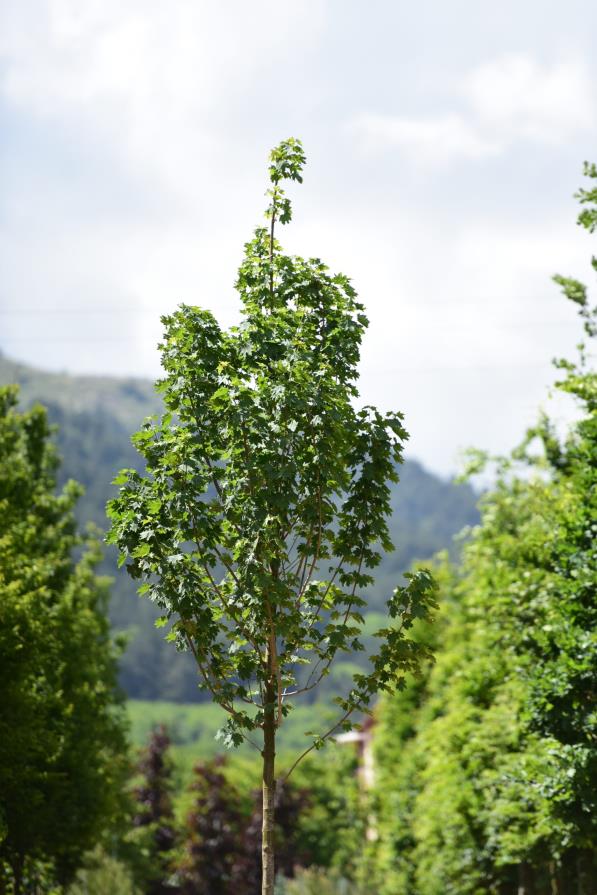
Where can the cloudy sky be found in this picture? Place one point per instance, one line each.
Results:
(444, 138)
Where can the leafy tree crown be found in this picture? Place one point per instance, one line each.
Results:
(263, 508)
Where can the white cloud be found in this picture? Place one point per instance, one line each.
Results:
(518, 98)
(149, 89)
(430, 140)
(149, 80)
(507, 100)
(136, 171)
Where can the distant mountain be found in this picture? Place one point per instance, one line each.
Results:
(126, 400)
(96, 416)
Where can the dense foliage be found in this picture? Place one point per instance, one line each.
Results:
(95, 416)
(62, 745)
(204, 835)
(214, 857)
(154, 817)
(492, 788)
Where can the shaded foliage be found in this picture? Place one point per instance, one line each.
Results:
(154, 815)
(62, 743)
(222, 848)
(490, 786)
(214, 860)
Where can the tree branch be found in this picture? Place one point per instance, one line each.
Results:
(320, 739)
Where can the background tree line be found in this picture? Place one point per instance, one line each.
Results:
(487, 766)
(488, 763)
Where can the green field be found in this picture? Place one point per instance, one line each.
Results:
(193, 727)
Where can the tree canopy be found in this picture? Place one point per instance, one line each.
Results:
(62, 743)
(263, 509)
(490, 785)
(94, 417)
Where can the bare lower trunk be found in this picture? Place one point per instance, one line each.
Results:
(525, 880)
(553, 878)
(586, 872)
(269, 791)
(17, 869)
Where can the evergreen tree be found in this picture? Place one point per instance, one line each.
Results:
(62, 742)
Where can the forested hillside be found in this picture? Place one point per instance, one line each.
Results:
(95, 416)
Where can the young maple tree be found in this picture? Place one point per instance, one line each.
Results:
(264, 504)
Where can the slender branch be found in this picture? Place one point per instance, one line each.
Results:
(240, 624)
(310, 686)
(226, 565)
(271, 246)
(278, 683)
(227, 605)
(304, 558)
(195, 533)
(291, 547)
(295, 562)
(319, 530)
(248, 458)
(320, 739)
(302, 568)
(274, 665)
(250, 741)
(212, 580)
(225, 705)
(211, 687)
(214, 478)
(305, 581)
(212, 470)
(315, 616)
(220, 494)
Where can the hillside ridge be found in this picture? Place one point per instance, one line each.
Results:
(95, 417)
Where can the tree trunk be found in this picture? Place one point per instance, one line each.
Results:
(268, 872)
(585, 871)
(553, 878)
(17, 869)
(526, 884)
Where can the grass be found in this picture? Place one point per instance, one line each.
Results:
(193, 727)
(196, 725)
(188, 724)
